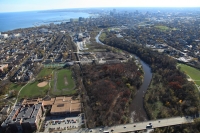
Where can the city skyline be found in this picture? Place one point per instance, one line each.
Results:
(30, 5)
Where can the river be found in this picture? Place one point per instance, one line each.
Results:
(137, 110)
(97, 38)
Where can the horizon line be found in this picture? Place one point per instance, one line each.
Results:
(96, 7)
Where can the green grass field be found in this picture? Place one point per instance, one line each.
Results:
(65, 75)
(191, 71)
(102, 36)
(162, 27)
(45, 72)
(197, 82)
(14, 86)
(65, 83)
(32, 90)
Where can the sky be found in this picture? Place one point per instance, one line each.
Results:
(29, 5)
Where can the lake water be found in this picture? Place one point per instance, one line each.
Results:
(15, 20)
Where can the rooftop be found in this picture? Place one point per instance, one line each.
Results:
(63, 104)
(22, 114)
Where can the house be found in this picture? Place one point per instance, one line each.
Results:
(5, 110)
(3, 66)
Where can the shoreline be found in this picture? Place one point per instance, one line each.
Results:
(11, 21)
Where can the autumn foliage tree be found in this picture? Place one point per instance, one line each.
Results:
(169, 84)
(109, 88)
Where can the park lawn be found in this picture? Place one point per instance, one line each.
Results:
(162, 27)
(45, 72)
(14, 86)
(197, 82)
(61, 79)
(31, 90)
(191, 71)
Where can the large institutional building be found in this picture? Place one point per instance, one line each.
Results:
(63, 106)
(28, 115)
(24, 117)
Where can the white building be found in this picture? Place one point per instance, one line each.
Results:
(4, 36)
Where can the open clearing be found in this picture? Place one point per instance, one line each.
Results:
(162, 27)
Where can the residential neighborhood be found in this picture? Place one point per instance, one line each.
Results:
(83, 74)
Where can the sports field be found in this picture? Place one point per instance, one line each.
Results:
(63, 83)
(162, 27)
(65, 80)
(32, 89)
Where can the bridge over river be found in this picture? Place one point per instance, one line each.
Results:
(141, 125)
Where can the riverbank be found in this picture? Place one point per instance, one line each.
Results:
(172, 95)
(136, 109)
(138, 112)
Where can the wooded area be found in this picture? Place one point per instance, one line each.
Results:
(170, 94)
(110, 89)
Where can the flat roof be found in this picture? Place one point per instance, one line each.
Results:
(31, 101)
(65, 104)
(48, 102)
(22, 114)
(57, 108)
(12, 116)
(76, 107)
(25, 112)
(34, 114)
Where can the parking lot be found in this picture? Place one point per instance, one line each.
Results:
(63, 124)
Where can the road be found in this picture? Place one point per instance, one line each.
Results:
(142, 125)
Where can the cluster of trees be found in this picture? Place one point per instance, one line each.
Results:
(170, 94)
(4, 88)
(109, 89)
